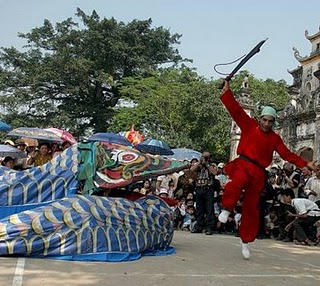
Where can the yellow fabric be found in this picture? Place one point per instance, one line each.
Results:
(40, 160)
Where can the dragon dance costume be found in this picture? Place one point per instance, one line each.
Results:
(51, 211)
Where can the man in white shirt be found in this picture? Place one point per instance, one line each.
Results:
(163, 181)
(307, 214)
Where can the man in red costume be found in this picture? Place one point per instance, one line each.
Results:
(247, 172)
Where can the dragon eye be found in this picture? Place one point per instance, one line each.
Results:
(127, 157)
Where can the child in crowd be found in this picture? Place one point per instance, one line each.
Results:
(146, 189)
(189, 218)
(179, 211)
(163, 193)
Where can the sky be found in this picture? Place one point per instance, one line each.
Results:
(213, 31)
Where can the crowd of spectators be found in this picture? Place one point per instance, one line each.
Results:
(280, 218)
(35, 154)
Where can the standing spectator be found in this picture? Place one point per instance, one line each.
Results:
(206, 186)
(306, 174)
(163, 182)
(312, 187)
(291, 178)
(186, 183)
(221, 176)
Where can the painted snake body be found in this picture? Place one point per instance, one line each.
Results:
(51, 210)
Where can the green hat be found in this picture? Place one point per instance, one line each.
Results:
(269, 111)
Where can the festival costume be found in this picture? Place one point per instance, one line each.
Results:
(247, 172)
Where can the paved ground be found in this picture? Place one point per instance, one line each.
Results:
(199, 260)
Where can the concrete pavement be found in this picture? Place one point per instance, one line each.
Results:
(199, 260)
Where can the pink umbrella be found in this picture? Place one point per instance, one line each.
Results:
(64, 135)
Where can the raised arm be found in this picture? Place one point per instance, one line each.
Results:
(236, 111)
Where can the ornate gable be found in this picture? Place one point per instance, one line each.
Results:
(301, 117)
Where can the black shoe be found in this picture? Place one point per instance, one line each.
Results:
(209, 232)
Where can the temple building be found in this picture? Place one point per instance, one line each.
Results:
(300, 119)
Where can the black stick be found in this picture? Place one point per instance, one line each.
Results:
(254, 51)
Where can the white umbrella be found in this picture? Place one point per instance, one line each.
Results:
(7, 150)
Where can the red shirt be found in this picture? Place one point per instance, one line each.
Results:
(254, 143)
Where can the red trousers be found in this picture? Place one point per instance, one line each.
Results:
(250, 178)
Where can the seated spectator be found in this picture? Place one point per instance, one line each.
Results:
(190, 196)
(20, 144)
(146, 189)
(237, 218)
(163, 193)
(189, 218)
(267, 198)
(65, 145)
(41, 157)
(271, 222)
(285, 234)
(190, 202)
(8, 162)
(179, 212)
(171, 189)
(317, 225)
(53, 148)
(20, 163)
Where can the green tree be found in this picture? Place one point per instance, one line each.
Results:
(177, 106)
(68, 75)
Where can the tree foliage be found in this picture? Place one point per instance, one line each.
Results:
(68, 74)
(177, 106)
